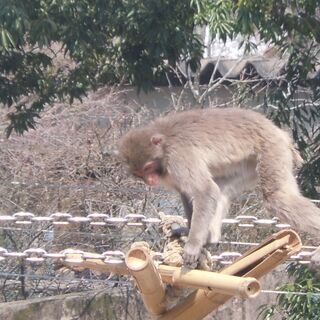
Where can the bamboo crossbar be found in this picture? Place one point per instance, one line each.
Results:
(214, 289)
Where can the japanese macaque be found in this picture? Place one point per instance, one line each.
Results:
(210, 157)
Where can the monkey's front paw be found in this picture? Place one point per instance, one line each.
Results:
(191, 254)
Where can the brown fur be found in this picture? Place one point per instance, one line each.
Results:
(211, 156)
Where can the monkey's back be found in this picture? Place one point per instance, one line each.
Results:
(221, 134)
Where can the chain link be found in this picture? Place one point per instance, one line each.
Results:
(140, 220)
(38, 255)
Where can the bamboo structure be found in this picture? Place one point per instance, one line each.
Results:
(147, 278)
(213, 289)
(247, 287)
(255, 263)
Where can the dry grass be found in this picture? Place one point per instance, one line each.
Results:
(68, 160)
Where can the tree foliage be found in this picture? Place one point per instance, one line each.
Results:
(296, 306)
(108, 41)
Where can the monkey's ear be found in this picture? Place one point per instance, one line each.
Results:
(157, 139)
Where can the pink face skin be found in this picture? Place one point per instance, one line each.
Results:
(149, 174)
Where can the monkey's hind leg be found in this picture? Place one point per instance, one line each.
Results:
(231, 187)
(281, 193)
(222, 209)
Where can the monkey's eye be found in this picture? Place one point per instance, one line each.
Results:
(149, 167)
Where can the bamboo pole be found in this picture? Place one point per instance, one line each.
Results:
(249, 259)
(75, 260)
(183, 277)
(255, 263)
(147, 278)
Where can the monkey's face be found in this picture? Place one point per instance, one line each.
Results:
(151, 172)
(143, 154)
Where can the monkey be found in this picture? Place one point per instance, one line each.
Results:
(210, 157)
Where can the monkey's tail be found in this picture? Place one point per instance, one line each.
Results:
(298, 211)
